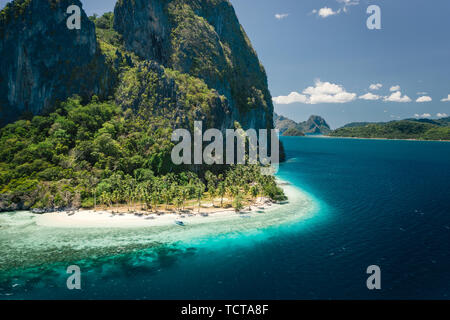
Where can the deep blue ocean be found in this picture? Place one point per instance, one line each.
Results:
(384, 203)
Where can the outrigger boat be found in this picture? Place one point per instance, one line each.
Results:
(180, 223)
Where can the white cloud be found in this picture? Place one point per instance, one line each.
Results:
(375, 86)
(281, 16)
(325, 12)
(441, 115)
(349, 2)
(395, 88)
(293, 97)
(446, 99)
(424, 99)
(370, 96)
(425, 115)
(321, 92)
(397, 97)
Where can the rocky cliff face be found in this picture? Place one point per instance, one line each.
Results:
(314, 125)
(43, 61)
(204, 39)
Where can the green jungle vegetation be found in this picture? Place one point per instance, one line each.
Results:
(117, 152)
(421, 129)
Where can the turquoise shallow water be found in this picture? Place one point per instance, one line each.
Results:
(368, 202)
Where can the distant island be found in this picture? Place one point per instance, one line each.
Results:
(293, 132)
(288, 127)
(414, 129)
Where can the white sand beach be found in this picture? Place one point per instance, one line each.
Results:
(107, 219)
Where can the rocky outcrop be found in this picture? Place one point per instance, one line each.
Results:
(293, 132)
(153, 91)
(43, 61)
(314, 125)
(204, 39)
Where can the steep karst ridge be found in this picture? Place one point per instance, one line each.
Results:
(204, 39)
(42, 61)
(314, 125)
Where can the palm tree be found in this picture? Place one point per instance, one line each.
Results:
(106, 199)
(200, 189)
(184, 195)
(155, 195)
(237, 203)
(221, 190)
(116, 198)
(211, 180)
(254, 191)
(178, 202)
(142, 194)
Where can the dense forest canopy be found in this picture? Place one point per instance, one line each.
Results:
(117, 151)
(405, 129)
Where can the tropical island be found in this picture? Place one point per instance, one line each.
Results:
(412, 129)
(408, 129)
(100, 138)
(288, 127)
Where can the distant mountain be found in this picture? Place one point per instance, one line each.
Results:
(314, 125)
(420, 129)
(282, 123)
(438, 122)
(356, 124)
(293, 132)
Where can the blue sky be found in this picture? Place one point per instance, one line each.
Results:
(330, 60)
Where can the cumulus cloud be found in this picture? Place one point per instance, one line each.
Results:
(424, 99)
(321, 92)
(325, 12)
(425, 115)
(446, 99)
(281, 16)
(397, 97)
(394, 88)
(375, 86)
(293, 97)
(349, 2)
(370, 96)
(441, 115)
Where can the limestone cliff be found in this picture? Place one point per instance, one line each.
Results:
(314, 125)
(204, 39)
(42, 61)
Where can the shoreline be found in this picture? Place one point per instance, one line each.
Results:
(107, 219)
(358, 138)
(27, 237)
(102, 219)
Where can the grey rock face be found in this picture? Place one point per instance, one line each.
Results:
(43, 61)
(314, 125)
(158, 94)
(145, 27)
(204, 39)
